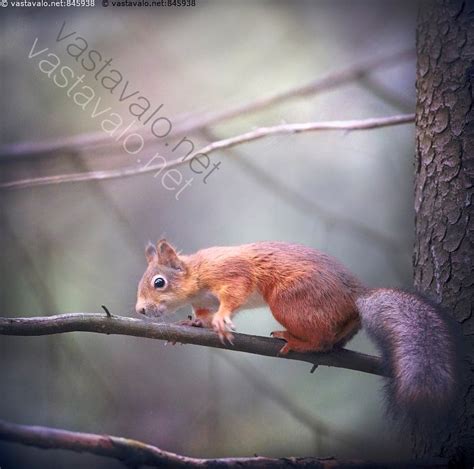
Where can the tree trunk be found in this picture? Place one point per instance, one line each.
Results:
(444, 224)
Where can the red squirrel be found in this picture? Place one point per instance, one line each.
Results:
(320, 304)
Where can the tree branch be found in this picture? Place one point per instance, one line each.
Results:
(102, 324)
(135, 453)
(286, 129)
(185, 124)
(262, 132)
(124, 449)
(330, 81)
(306, 204)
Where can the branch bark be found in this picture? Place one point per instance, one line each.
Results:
(135, 453)
(262, 132)
(102, 324)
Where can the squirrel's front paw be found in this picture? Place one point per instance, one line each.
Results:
(223, 326)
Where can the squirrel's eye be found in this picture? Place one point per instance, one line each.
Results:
(159, 281)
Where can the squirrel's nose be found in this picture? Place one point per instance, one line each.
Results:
(140, 308)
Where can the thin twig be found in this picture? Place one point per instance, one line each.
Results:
(186, 124)
(45, 325)
(288, 129)
(126, 229)
(330, 81)
(135, 453)
(262, 132)
(306, 205)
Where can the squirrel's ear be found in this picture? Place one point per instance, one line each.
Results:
(150, 252)
(167, 255)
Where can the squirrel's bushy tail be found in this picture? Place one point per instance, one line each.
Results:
(420, 349)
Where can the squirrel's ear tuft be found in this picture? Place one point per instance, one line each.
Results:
(150, 252)
(167, 255)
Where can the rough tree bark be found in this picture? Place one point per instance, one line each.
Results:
(444, 186)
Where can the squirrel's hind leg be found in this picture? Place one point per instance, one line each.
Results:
(295, 344)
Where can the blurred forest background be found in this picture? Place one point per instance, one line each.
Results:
(73, 247)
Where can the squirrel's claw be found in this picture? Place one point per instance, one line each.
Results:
(230, 325)
(223, 326)
(284, 350)
(226, 338)
(230, 338)
(283, 335)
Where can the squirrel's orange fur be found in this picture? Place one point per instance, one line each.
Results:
(309, 293)
(320, 304)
